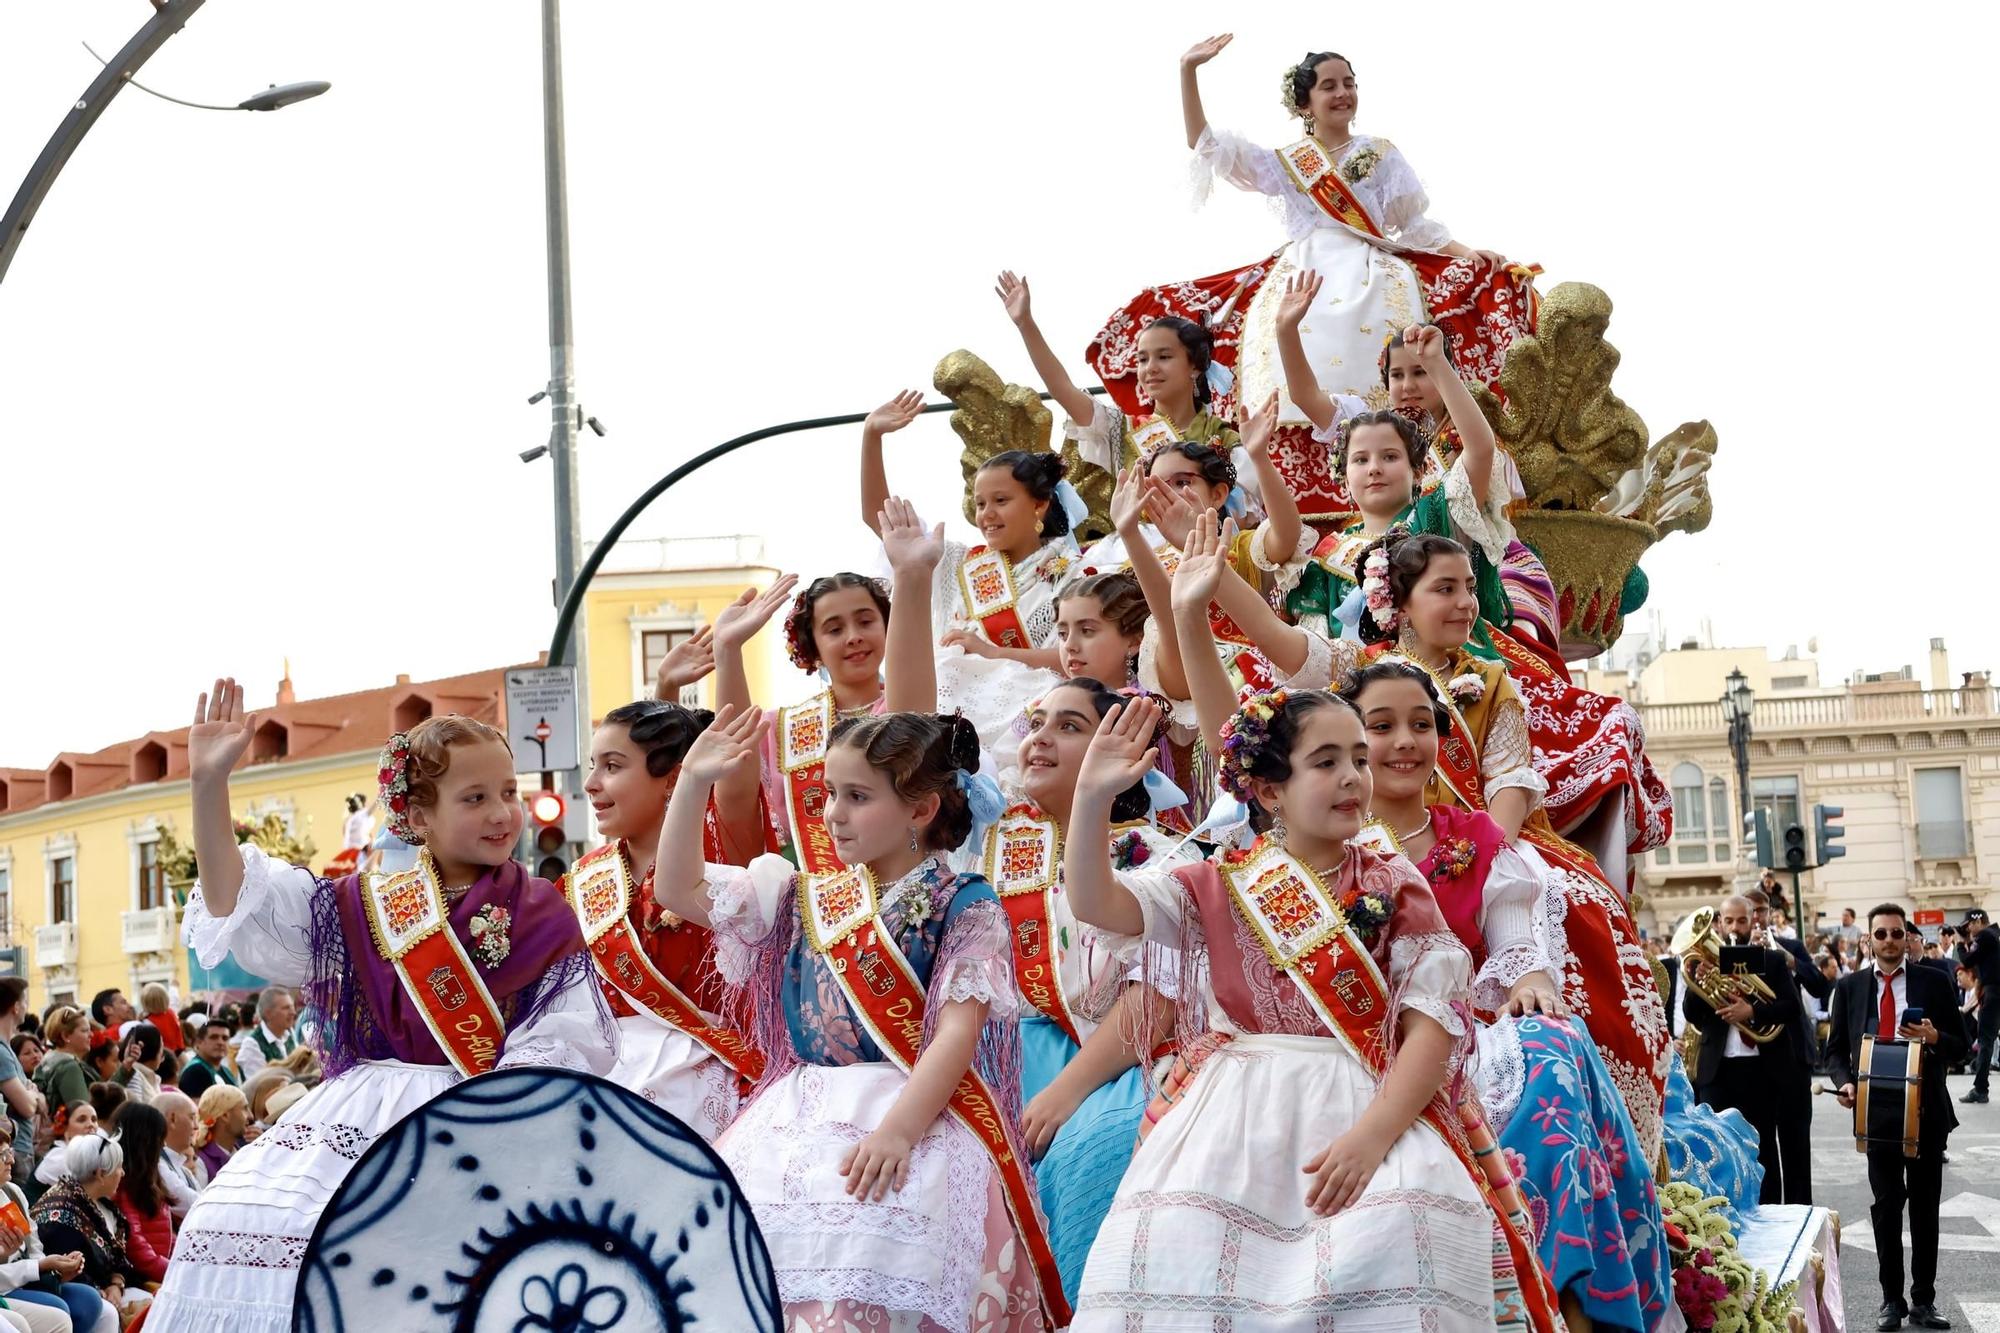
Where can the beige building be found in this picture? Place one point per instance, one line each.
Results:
(1912, 758)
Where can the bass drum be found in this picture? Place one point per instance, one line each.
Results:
(537, 1199)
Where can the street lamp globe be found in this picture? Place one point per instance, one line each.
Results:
(281, 95)
(1737, 697)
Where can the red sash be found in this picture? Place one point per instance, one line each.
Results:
(986, 580)
(412, 932)
(600, 892)
(1313, 171)
(1296, 919)
(803, 733)
(1024, 865)
(840, 914)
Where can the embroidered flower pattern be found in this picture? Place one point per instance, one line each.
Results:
(1453, 859)
(489, 934)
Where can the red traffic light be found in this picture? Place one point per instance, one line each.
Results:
(546, 808)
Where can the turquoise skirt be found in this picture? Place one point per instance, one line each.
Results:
(1080, 1172)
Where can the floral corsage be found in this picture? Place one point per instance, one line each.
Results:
(1375, 590)
(1366, 913)
(1130, 850)
(1453, 859)
(1468, 687)
(1363, 162)
(1054, 567)
(489, 935)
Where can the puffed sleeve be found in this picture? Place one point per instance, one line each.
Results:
(1183, 725)
(1161, 900)
(1231, 157)
(1403, 202)
(945, 610)
(1098, 442)
(570, 1027)
(1481, 522)
(1506, 759)
(1328, 664)
(743, 906)
(976, 960)
(270, 931)
(1284, 574)
(1514, 947)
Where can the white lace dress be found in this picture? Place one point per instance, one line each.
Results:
(995, 693)
(1368, 292)
(236, 1257)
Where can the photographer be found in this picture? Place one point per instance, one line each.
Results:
(1980, 955)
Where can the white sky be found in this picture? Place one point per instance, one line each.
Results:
(264, 376)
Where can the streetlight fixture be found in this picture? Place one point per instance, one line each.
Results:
(168, 18)
(1737, 703)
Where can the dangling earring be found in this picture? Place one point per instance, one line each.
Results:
(1277, 829)
(913, 837)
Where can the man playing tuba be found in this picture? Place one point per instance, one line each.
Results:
(1760, 1078)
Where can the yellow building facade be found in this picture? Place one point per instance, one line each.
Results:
(84, 902)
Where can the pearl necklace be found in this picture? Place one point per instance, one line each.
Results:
(1416, 832)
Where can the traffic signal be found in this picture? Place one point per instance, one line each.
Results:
(545, 814)
(1757, 833)
(1827, 832)
(1794, 838)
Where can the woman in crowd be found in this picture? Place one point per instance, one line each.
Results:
(62, 1076)
(223, 1118)
(80, 1216)
(75, 1121)
(142, 1196)
(37, 1283)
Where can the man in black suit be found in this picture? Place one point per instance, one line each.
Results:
(1981, 957)
(1761, 1081)
(1795, 1110)
(1876, 1000)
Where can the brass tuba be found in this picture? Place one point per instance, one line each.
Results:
(1700, 952)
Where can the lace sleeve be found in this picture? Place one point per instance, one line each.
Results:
(566, 1024)
(1220, 154)
(743, 906)
(1514, 946)
(1161, 902)
(976, 962)
(1284, 574)
(270, 931)
(1097, 443)
(1482, 524)
(944, 588)
(1506, 759)
(1404, 202)
(1328, 664)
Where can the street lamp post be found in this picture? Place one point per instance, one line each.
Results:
(169, 17)
(1737, 701)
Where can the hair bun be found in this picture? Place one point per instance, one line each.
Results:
(962, 743)
(1051, 466)
(702, 718)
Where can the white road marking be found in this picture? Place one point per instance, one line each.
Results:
(1984, 1316)
(1979, 1207)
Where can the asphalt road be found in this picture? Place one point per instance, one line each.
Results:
(1969, 1243)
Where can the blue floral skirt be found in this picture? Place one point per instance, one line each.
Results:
(1080, 1172)
(1713, 1150)
(1588, 1186)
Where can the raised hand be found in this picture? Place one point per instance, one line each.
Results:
(1172, 513)
(1128, 502)
(738, 623)
(730, 742)
(1256, 428)
(1204, 556)
(221, 732)
(1300, 289)
(911, 547)
(1427, 341)
(1013, 294)
(1122, 751)
(895, 414)
(688, 661)
(1205, 50)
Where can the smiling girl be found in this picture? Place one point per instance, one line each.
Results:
(657, 970)
(382, 959)
(881, 1150)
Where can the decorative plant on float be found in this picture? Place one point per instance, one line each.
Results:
(268, 834)
(1715, 1289)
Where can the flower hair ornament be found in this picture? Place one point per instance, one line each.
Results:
(1375, 589)
(1244, 737)
(393, 776)
(798, 636)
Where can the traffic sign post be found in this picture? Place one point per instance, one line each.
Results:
(541, 716)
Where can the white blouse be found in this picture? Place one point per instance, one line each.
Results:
(1391, 192)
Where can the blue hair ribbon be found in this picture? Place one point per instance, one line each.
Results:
(1163, 792)
(1220, 378)
(982, 797)
(1227, 812)
(1072, 504)
(1238, 504)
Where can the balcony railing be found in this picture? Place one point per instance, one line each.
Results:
(55, 946)
(1942, 838)
(149, 930)
(1814, 711)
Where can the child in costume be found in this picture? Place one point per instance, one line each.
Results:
(881, 1151)
(419, 979)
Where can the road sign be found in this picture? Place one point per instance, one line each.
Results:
(541, 717)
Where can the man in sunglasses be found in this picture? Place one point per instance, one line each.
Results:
(1981, 957)
(1879, 1000)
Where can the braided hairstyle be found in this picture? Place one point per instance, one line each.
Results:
(801, 645)
(1409, 554)
(1135, 802)
(1416, 444)
(1257, 742)
(663, 730)
(1038, 472)
(1199, 344)
(922, 755)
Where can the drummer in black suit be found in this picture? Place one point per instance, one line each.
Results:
(1879, 1000)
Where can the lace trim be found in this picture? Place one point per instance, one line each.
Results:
(987, 980)
(1502, 1073)
(544, 1052)
(241, 1249)
(1502, 970)
(1285, 574)
(348, 1141)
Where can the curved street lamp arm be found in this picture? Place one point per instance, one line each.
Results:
(167, 20)
(155, 92)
